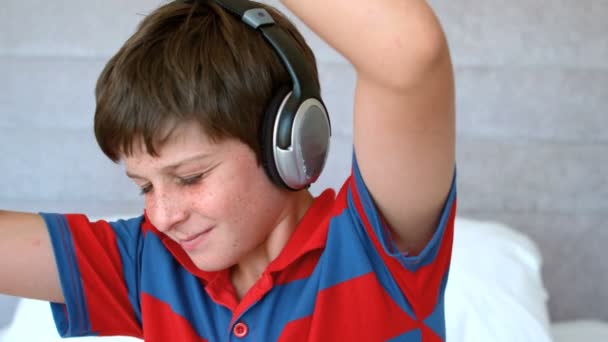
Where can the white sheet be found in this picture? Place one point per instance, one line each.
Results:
(34, 322)
(495, 291)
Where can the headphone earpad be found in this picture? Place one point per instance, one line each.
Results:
(267, 132)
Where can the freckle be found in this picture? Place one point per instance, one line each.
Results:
(36, 242)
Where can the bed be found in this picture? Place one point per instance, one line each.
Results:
(531, 80)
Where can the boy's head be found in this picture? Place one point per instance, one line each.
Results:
(190, 62)
(181, 104)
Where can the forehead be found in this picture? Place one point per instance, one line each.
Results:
(182, 141)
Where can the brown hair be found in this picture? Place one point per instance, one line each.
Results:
(190, 62)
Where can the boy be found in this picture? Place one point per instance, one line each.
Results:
(231, 246)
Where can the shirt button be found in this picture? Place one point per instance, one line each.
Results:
(240, 330)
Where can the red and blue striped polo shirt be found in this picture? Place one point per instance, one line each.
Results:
(339, 278)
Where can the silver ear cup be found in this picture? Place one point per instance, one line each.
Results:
(300, 164)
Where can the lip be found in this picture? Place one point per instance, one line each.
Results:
(190, 243)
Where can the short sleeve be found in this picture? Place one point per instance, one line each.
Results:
(422, 278)
(97, 264)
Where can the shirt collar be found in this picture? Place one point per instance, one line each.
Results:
(309, 235)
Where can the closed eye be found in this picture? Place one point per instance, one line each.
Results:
(191, 180)
(145, 189)
(182, 181)
(186, 181)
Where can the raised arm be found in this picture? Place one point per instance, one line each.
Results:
(27, 263)
(404, 131)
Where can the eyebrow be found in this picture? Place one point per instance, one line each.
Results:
(173, 166)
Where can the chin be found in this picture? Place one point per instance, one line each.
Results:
(211, 263)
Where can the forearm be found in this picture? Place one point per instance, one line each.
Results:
(391, 41)
(27, 263)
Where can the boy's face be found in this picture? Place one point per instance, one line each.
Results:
(211, 198)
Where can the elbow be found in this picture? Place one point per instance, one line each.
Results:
(413, 54)
(426, 56)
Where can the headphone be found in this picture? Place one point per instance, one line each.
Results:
(295, 130)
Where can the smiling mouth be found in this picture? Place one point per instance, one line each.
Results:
(192, 242)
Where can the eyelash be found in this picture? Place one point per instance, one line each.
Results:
(182, 181)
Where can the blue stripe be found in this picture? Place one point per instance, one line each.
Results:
(129, 241)
(385, 277)
(414, 335)
(283, 304)
(163, 278)
(436, 321)
(429, 253)
(346, 254)
(71, 318)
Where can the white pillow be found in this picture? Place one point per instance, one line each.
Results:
(495, 290)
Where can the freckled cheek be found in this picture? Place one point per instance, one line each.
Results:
(150, 205)
(167, 201)
(209, 203)
(232, 208)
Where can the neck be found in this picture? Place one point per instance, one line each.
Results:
(245, 274)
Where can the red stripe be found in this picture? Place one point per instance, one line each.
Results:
(358, 300)
(164, 325)
(99, 261)
(421, 287)
(428, 335)
(301, 269)
(296, 331)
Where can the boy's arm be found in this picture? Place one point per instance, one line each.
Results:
(404, 128)
(27, 262)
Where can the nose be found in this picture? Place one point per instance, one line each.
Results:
(166, 211)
